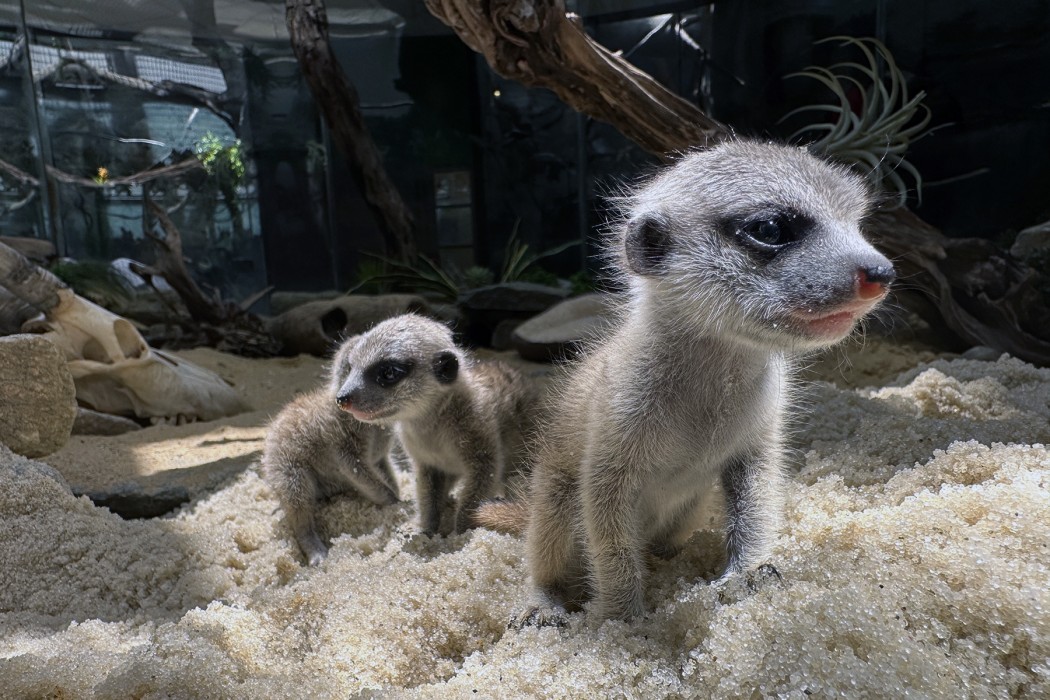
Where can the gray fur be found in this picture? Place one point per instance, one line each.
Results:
(314, 450)
(690, 388)
(458, 419)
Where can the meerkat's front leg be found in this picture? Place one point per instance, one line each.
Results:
(369, 481)
(610, 515)
(483, 470)
(431, 489)
(754, 492)
(550, 548)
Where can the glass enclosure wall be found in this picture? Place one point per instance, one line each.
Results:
(114, 107)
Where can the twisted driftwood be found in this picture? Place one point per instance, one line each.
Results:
(965, 286)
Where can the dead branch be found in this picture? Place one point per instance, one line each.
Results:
(183, 166)
(338, 101)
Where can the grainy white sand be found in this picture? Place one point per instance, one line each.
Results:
(916, 558)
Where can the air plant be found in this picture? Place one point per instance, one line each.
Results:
(877, 139)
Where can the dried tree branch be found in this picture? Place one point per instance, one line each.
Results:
(540, 45)
(336, 97)
(141, 177)
(537, 43)
(171, 266)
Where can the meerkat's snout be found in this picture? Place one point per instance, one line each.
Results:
(873, 282)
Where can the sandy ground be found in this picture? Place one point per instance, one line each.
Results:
(915, 560)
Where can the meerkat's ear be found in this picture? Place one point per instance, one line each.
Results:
(446, 367)
(647, 243)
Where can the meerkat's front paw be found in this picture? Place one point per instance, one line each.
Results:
(311, 545)
(540, 616)
(734, 585)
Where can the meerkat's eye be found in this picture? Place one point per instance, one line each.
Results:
(770, 233)
(390, 372)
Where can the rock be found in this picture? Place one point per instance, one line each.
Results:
(982, 353)
(149, 472)
(37, 396)
(18, 468)
(1032, 240)
(37, 250)
(557, 332)
(485, 308)
(131, 281)
(525, 297)
(90, 422)
(503, 334)
(13, 313)
(315, 327)
(286, 301)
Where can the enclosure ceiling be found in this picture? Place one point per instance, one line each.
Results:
(259, 20)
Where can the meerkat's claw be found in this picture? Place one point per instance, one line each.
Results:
(734, 585)
(763, 576)
(552, 616)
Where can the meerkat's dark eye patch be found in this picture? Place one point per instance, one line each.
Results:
(387, 373)
(446, 367)
(647, 243)
(770, 232)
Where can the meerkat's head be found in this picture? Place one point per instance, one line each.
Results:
(397, 370)
(340, 367)
(758, 241)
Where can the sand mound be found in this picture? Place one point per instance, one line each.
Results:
(916, 558)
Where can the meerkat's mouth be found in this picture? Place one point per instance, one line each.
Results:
(369, 416)
(834, 323)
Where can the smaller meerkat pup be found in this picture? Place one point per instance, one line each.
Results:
(315, 450)
(737, 260)
(457, 418)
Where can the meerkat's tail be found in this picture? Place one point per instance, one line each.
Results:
(502, 515)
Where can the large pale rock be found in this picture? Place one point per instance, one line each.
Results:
(558, 332)
(90, 422)
(37, 396)
(317, 326)
(485, 308)
(1031, 241)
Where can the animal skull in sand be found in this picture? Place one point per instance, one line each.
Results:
(116, 371)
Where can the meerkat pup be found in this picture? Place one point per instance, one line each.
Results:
(316, 450)
(457, 418)
(736, 260)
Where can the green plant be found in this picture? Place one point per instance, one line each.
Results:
(424, 276)
(582, 282)
(93, 280)
(477, 276)
(877, 138)
(517, 259)
(225, 163)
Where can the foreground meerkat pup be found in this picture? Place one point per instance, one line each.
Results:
(457, 418)
(737, 259)
(315, 450)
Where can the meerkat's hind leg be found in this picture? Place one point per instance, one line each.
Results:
(299, 501)
(558, 574)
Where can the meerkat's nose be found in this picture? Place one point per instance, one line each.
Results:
(344, 400)
(873, 280)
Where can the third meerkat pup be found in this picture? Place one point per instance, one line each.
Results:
(736, 258)
(315, 450)
(457, 418)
